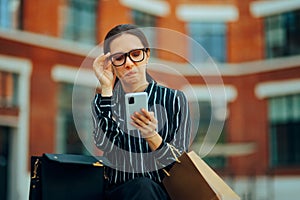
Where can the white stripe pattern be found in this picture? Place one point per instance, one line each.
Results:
(130, 154)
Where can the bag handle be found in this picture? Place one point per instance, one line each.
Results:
(35, 168)
(173, 150)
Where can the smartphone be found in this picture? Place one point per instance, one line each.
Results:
(134, 102)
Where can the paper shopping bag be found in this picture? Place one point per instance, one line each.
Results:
(191, 178)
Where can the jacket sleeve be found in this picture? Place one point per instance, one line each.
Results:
(106, 132)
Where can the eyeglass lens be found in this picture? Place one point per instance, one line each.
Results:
(136, 55)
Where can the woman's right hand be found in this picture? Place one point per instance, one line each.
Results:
(103, 70)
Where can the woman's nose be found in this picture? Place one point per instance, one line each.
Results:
(128, 63)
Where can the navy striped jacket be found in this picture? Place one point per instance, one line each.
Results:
(129, 153)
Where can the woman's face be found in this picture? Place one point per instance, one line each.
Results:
(130, 72)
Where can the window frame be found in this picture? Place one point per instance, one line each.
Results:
(75, 26)
(284, 121)
(281, 34)
(212, 37)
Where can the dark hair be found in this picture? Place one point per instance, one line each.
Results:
(123, 29)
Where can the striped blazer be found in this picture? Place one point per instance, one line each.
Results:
(128, 152)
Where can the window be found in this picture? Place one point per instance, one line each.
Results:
(282, 34)
(148, 21)
(143, 19)
(284, 119)
(68, 140)
(8, 89)
(4, 160)
(10, 13)
(80, 22)
(206, 116)
(212, 37)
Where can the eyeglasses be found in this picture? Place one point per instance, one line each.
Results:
(135, 55)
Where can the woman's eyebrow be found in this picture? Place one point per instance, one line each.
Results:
(120, 52)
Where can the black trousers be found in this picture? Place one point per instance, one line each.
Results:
(137, 189)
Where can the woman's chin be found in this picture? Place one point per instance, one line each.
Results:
(130, 79)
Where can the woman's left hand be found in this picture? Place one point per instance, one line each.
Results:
(145, 122)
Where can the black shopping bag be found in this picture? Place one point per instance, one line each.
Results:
(67, 176)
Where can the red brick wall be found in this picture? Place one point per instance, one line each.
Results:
(245, 37)
(248, 119)
(247, 122)
(171, 40)
(43, 91)
(41, 16)
(111, 13)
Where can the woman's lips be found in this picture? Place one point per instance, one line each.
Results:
(130, 73)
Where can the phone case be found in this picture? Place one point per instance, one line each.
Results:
(134, 102)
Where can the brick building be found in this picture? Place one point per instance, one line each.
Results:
(256, 51)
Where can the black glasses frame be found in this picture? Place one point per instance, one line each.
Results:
(128, 54)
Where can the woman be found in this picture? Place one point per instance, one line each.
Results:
(139, 156)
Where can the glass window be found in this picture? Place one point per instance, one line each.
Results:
(142, 19)
(282, 34)
(218, 161)
(4, 160)
(284, 119)
(80, 22)
(68, 140)
(212, 37)
(8, 89)
(10, 13)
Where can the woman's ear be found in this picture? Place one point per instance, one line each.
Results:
(148, 52)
